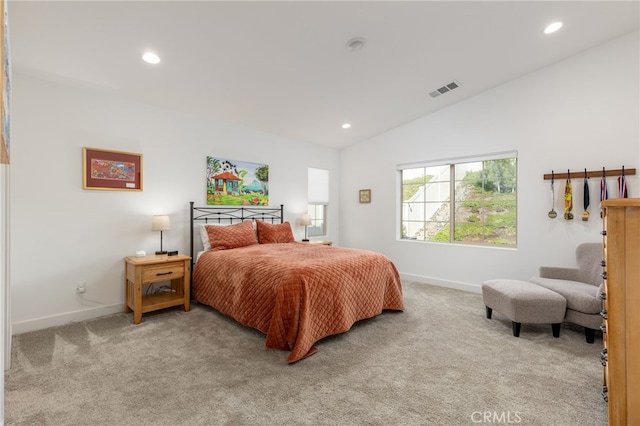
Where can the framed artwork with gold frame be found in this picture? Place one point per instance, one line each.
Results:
(111, 170)
(365, 196)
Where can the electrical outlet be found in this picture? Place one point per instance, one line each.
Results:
(81, 287)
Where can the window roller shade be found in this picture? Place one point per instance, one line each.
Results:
(318, 186)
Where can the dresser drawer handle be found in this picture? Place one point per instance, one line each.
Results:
(603, 296)
(603, 313)
(603, 263)
(164, 273)
(604, 275)
(603, 328)
(603, 232)
(603, 357)
(605, 393)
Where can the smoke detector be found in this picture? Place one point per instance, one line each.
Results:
(356, 44)
(444, 89)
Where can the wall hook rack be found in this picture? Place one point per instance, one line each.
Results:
(591, 173)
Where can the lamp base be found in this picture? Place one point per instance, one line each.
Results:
(161, 252)
(305, 240)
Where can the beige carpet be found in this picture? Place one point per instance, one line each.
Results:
(441, 362)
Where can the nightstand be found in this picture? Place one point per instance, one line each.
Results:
(324, 243)
(140, 271)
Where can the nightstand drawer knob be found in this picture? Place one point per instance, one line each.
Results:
(604, 275)
(164, 273)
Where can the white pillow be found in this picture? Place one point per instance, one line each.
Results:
(204, 236)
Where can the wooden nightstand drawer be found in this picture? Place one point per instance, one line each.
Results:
(155, 273)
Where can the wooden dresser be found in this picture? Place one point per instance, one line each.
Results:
(621, 310)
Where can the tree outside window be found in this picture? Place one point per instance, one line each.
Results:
(471, 202)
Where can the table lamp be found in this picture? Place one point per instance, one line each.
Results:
(305, 221)
(160, 223)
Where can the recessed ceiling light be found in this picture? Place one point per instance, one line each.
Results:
(346, 125)
(356, 43)
(553, 27)
(151, 58)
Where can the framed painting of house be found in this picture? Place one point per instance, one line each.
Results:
(233, 182)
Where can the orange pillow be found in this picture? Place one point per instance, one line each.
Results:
(231, 236)
(269, 233)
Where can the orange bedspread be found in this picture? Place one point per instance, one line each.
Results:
(297, 293)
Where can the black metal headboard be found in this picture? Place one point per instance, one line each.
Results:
(230, 215)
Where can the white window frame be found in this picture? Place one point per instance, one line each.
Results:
(450, 164)
(318, 227)
(318, 197)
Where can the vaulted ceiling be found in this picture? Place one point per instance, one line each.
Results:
(285, 67)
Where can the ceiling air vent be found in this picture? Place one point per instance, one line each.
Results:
(444, 89)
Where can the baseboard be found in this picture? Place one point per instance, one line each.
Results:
(66, 318)
(99, 311)
(471, 288)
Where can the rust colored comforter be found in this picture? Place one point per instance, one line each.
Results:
(297, 293)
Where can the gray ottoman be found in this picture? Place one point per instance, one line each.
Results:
(521, 301)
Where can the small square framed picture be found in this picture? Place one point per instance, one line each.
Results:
(365, 196)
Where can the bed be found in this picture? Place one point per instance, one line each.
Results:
(294, 292)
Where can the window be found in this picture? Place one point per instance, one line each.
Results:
(318, 199)
(317, 213)
(471, 201)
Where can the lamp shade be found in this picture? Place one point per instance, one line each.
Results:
(305, 220)
(160, 223)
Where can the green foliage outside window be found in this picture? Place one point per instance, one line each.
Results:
(484, 211)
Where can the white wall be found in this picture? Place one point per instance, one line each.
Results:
(62, 234)
(5, 276)
(580, 113)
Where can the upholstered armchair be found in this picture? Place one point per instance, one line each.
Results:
(581, 287)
